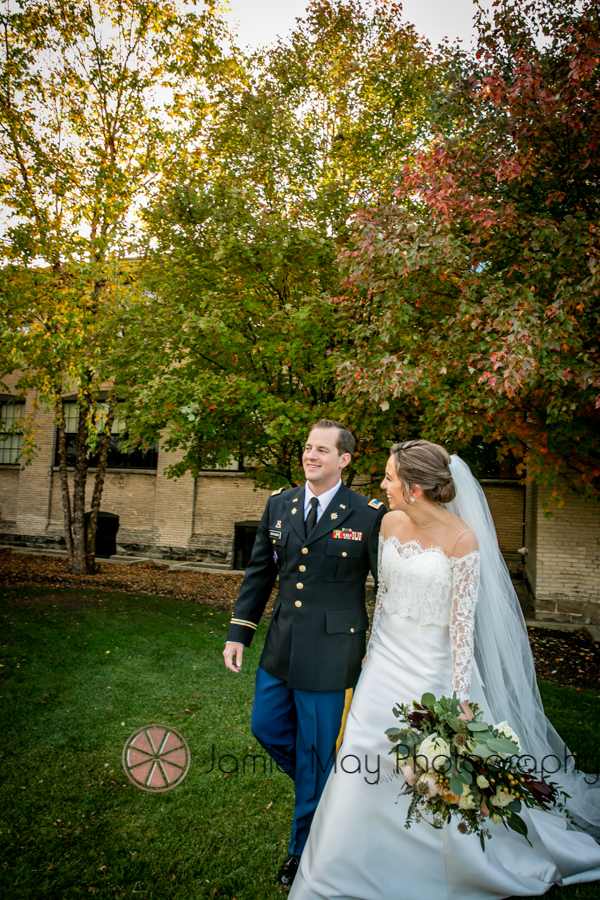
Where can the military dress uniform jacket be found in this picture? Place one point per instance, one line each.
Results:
(316, 639)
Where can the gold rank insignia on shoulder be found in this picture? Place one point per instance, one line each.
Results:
(275, 493)
(376, 504)
(334, 515)
(294, 511)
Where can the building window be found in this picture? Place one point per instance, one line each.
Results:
(482, 458)
(240, 464)
(234, 465)
(118, 458)
(11, 442)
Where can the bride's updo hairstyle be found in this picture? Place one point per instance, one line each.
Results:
(426, 464)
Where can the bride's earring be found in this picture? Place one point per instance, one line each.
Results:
(412, 499)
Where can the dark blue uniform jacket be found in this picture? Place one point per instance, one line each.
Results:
(316, 639)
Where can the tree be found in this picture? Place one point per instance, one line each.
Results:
(474, 294)
(246, 237)
(93, 104)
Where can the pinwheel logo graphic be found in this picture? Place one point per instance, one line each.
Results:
(156, 758)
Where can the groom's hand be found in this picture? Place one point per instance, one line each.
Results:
(233, 655)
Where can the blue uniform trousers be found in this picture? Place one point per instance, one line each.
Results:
(298, 729)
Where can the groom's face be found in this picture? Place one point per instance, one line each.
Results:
(322, 460)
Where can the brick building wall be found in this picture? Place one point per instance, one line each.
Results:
(130, 494)
(506, 500)
(35, 480)
(174, 507)
(223, 499)
(567, 560)
(9, 495)
(531, 535)
(25, 493)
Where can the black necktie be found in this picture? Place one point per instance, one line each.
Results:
(311, 519)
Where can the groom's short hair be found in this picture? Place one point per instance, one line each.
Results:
(345, 441)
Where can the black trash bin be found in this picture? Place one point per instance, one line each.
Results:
(245, 534)
(106, 533)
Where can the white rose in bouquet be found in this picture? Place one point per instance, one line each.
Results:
(506, 731)
(466, 801)
(502, 798)
(436, 751)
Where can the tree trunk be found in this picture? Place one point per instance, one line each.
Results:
(350, 473)
(79, 565)
(99, 487)
(64, 478)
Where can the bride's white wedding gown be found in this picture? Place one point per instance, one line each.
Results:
(358, 848)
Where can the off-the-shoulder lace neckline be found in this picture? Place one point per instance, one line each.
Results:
(422, 549)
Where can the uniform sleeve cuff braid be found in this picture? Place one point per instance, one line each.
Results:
(245, 622)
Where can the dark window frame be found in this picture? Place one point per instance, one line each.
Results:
(118, 458)
(6, 436)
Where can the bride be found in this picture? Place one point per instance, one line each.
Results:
(446, 619)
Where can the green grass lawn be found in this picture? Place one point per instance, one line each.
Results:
(84, 669)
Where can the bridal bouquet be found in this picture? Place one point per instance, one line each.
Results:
(467, 769)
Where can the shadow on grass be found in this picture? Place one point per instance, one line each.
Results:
(81, 671)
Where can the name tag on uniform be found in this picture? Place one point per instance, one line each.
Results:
(346, 534)
(275, 534)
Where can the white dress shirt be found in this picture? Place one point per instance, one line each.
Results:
(324, 499)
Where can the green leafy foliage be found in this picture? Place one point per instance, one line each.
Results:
(246, 235)
(474, 294)
(91, 109)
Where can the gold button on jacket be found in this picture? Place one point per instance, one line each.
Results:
(305, 549)
(299, 585)
(302, 568)
(298, 602)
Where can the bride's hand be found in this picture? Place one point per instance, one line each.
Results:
(364, 659)
(466, 714)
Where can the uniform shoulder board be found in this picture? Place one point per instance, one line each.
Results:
(376, 504)
(278, 491)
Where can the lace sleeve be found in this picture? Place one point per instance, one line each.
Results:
(465, 584)
(381, 591)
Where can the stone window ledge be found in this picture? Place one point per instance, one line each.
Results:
(503, 482)
(221, 473)
(92, 470)
(204, 473)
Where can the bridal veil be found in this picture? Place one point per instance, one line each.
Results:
(505, 664)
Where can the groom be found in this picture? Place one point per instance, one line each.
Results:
(321, 540)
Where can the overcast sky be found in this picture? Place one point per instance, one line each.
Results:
(262, 21)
